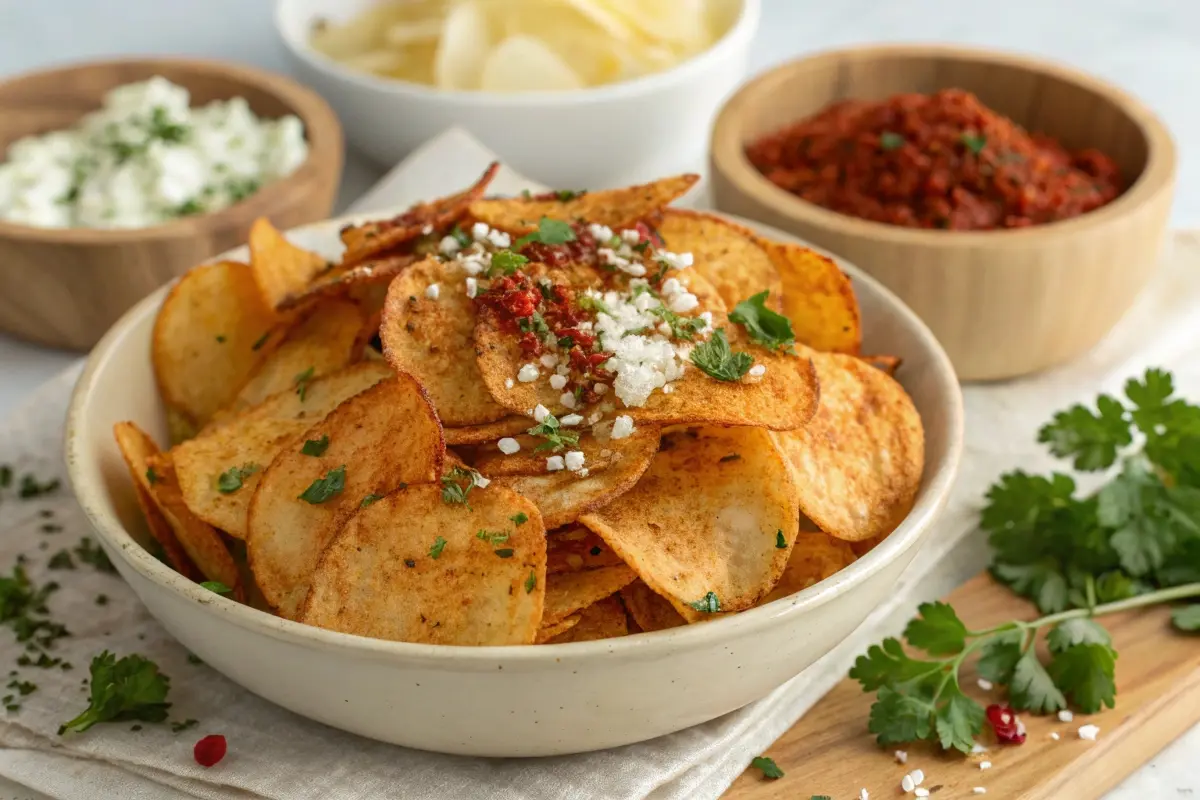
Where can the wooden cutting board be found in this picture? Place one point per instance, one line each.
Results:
(830, 752)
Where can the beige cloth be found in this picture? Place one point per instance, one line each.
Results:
(275, 754)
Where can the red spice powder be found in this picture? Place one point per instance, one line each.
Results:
(933, 161)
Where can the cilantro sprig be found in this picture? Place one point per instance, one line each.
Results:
(129, 688)
(549, 231)
(552, 431)
(457, 484)
(766, 327)
(1135, 542)
(716, 358)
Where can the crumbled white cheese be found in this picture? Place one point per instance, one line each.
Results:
(554, 463)
(574, 460)
(757, 371)
(1054, 735)
(527, 373)
(982, 683)
(622, 426)
(1065, 715)
(978, 748)
(481, 481)
(1089, 732)
(630, 236)
(863, 794)
(985, 765)
(548, 360)
(558, 381)
(567, 399)
(432, 291)
(499, 239)
(675, 260)
(921, 791)
(668, 388)
(571, 420)
(472, 287)
(508, 445)
(540, 412)
(479, 231)
(600, 388)
(449, 246)
(901, 757)
(426, 229)
(683, 303)
(602, 233)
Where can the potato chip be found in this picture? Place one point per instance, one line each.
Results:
(574, 547)
(281, 269)
(889, 364)
(466, 40)
(488, 432)
(137, 449)
(411, 568)
(372, 238)
(569, 592)
(377, 440)
(858, 463)
(327, 339)
(650, 611)
(818, 298)
(604, 619)
(710, 524)
(867, 545)
(525, 64)
(548, 632)
(614, 466)
(208, 339)
(321, 396)
(815, 556)
(347, 282)
(432, 339)
(728, 255)
(616, 208)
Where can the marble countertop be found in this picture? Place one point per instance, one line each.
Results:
(1150, 48)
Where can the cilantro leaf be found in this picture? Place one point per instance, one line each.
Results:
(130, 688)
(506, 262)
(717, 360)
(563, 195)
(1085, 675)
(1187, 618)
(370, 499)
(215, 586)
(550, 231)
(781, 542)
(769, 328)
(886, 664)
(435, 550)
(936, 630)
(685, 328)
(1032, 689)
(1091, 438)
(974, 142)
(999, 657)
(959, 720)
(1041, 582)
(709, 604)
(890, 140)
(557, 438)
(1071, 632)
(231, 479)
(530, 582)
(457, 484)
(520, 518)
(315, 447)
(324, 488)
(897, 718)
(302, 380)
(767, 766)
(587, 302)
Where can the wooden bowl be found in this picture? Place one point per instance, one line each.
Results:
(1003, 303)
(66, 287)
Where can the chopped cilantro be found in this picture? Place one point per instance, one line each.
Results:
(131, 688)
(550, 231)
(552, 431)
(180, 727)
(564, 195)
(506, 262)
(88, 552)
(506, 552)
(151, 476)
(302, 380)
(530, 582)
(260, 341)
(566, 342)
(767, 766)
(369, 499)
(770, 329)
(520, 518)
(189, 207)
(161, 127)
(588, 303)
(974, 142)
(717, 360)
(890, 140)
(462, 237)
(24, 688)
(315, 447)
(457, 484)
(435, 550)
(231, 479)
(61, 560)
(215, 586)
(324, 488)
(709, 604)
(31, 487)
(240, 189)
(780, 541)
(495, 537)
(685, 328)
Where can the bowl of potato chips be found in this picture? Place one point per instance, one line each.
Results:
(572, 92)
(516, 476)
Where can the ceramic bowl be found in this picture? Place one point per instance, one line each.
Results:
(594, 138)
(1003, 303)
(65, 287)
(501, 701)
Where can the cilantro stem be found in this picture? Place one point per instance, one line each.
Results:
(1182, 592)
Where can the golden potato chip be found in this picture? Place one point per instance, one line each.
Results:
(650, 611)
(548, 632)
(818, 298)
(137, 448)
(281, 269)
(815, 556)
(179, 427)
(377, 440)
(569, 592)
(322, 395)
(431, 337)
(711, 523)
(858, 463)
(372, 238)
(488, 432)
(616, 208)
(604, 619)
(614, 466)
(412, 568)
(867, 545)
(346, 283)
(574, 547)
(208, 339)
(889, 364)
(728, 255)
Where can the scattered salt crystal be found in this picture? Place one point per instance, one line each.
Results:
(758, 370)
(918, 777)
(527, 373)
(432, 291)
(901, 757)
(907, 784)
(508, 445)
(921, 792)
(1089, 732)
(985, 765)
(978, 748)
(979, 790)
(481, 481)
(985, 684)
(1054, 736)
(508, 383)
(571, 420)
(548, 360)
(558, 381)
(863, 794)
(1065, 716)
(540, 412)
(554, 463)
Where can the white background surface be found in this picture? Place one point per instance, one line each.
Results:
(1151, 48)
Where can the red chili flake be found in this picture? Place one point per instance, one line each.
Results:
(1008, 728)
(530, 344)
(209, 750)
(580, 251)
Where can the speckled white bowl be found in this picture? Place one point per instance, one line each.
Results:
(501, 701)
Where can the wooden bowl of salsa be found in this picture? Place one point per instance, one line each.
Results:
(1017, 205)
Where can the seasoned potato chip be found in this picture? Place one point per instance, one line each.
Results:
(569, 592)
(431, 337)
(411, 568)
(346, 283)
(208, 339)
(818, 298)
(858, 463)
(815, 556)
(281, 269)
(728, 255)
(889, 364)
(650, 611)
(711, 523)
(614, 466)
(548, 632)
(137, 449)
(867, 545)
(616, 208)
(321, 396)
(488, 432)
(327, 339)
(574, 548)
(372, 238)
(604, 619)
(377, 440)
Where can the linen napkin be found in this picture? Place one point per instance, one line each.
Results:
(277, 755)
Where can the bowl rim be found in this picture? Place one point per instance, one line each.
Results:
(739, 33)
(322, 132)
(79, 456)
(727, 150)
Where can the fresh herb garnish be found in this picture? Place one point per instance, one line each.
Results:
(770, 329)
(769, 768)
(974, 142)
(435, 550)
(716, 359)
(1135, 542)
(369, 499)
(231, 479)
(130, 688)
(530, 582)
(462, 237)
(569, 194)
(780, 541)
(90, 553)
(685, 328)
(61, 560)
(188, 208)
(890, 140)
(709, 604)
(260, 341)
(240, 189)
(552, 431)
(588, 303)
(151, 476)
(550, 231)
(520, 518)
(315, 447)
(302, 380)
(215, 586)
(506, 262)
(494, 537)
(457, 484)
(506, 552)
(324, 488)
(161, 127)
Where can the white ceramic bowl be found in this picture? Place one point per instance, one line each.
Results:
(594, 138)
(501, 701)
